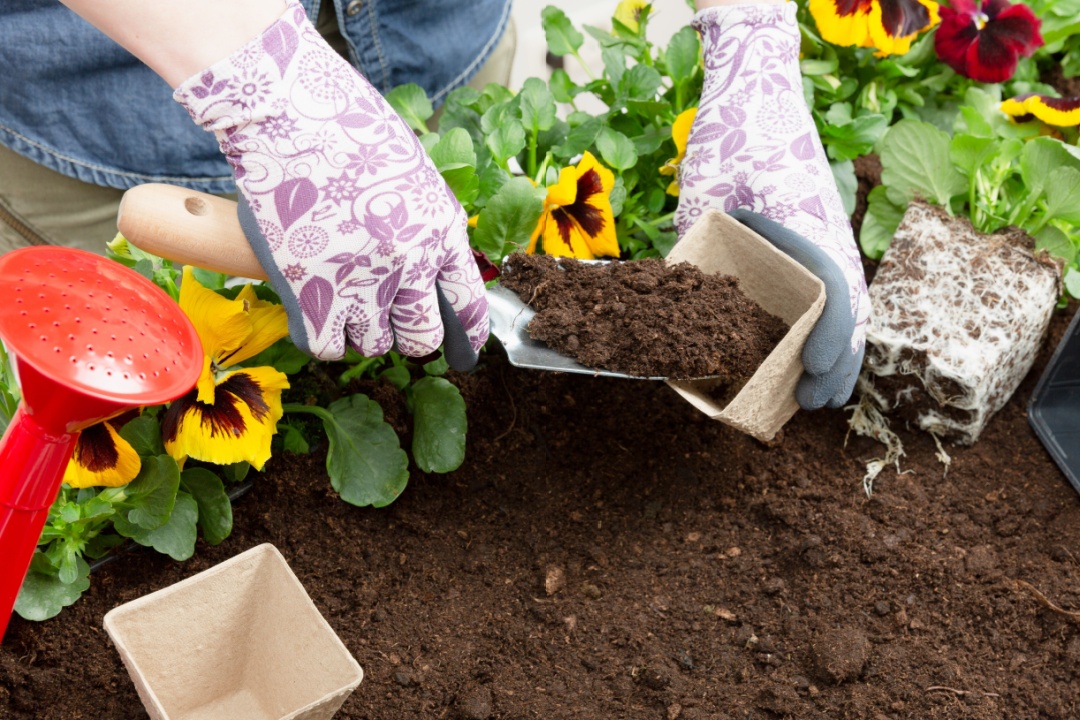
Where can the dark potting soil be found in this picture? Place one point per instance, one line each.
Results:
(868, 175)
(645, 317)
(608, 552)
(1067, 86)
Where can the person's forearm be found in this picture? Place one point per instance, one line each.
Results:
(178, 38)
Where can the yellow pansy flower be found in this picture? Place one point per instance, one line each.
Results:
(102, 458)
(888, 25)
(231, 415)
(628, 12)
(577, 220)
(1059, 112)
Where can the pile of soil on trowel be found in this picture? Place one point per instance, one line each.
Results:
(644, 317)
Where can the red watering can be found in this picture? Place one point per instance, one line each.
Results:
(91, 339)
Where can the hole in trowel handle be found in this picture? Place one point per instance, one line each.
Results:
(196, 205)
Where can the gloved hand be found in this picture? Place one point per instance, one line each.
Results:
(356, 229)
(753, 146)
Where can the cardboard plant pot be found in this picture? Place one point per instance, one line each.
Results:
(240, 640)
(721, 245)
(957, 318)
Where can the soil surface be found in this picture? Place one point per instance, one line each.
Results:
(645, 317)
(1068, 87)
(607, 551)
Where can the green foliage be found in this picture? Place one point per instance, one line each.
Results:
(439, 425)
(993, 171)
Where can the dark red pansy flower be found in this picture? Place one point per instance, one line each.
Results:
(985, 42)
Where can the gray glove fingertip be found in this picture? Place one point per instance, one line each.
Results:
(456, 345)
(853, 365)
(832, 388)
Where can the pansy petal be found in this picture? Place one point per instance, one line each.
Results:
(893, 26)
(680, 131)
(222, 324)
(204, 388)
(102, 459)
(842, 22)
(1060, 112)
(565, 191)
(628, 12)
(237, 427)
(269, 323)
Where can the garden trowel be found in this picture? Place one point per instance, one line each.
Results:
(203, 230)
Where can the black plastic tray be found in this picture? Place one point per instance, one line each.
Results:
(1054, 409)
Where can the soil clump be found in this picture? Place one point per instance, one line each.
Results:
(644, 317)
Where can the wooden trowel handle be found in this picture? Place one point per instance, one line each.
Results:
(189, 227)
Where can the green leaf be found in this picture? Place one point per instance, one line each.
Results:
(365, 462)
(215, 510)
(509, 218)
(968, 152)
(879, 225)
(640, 83)
(1057, 243)
(506, 141)
(915, 161)
(562, 37)
(437, 367)
(579, 139)
(144, 435)
(463, 182)
(682, 54)
(293, 440)
(1072, 282)
(438, 425)
(412, 104)
(846, 183)
(562, 87)
(537, 105)
(152, 493)
(235, 472)
(398, 376)
(616, 149)
(854, 138)
(454, 149)
(614, 64)
(210, 279)
(43, 595)
(283, 356)
(176, 538)
(1040, 157)
(1063, 195)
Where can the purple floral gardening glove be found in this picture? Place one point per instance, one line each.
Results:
(353, 224)
(754, 153)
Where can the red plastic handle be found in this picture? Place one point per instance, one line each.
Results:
(33, 463)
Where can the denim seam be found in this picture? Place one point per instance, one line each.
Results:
(374, 20)
(105, 170)
(473, 67)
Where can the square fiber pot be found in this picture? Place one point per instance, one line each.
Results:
(239, 641)
(720, 245)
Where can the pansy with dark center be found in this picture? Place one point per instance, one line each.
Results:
(102, 458)
(985, 42)
(577, 220)
(232, 413)
(1056, 111)
(888, 25)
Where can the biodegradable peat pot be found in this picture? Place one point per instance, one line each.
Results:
(241, 640)
(957, 318)
(720, 245)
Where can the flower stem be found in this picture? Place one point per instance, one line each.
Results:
(322, 413)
